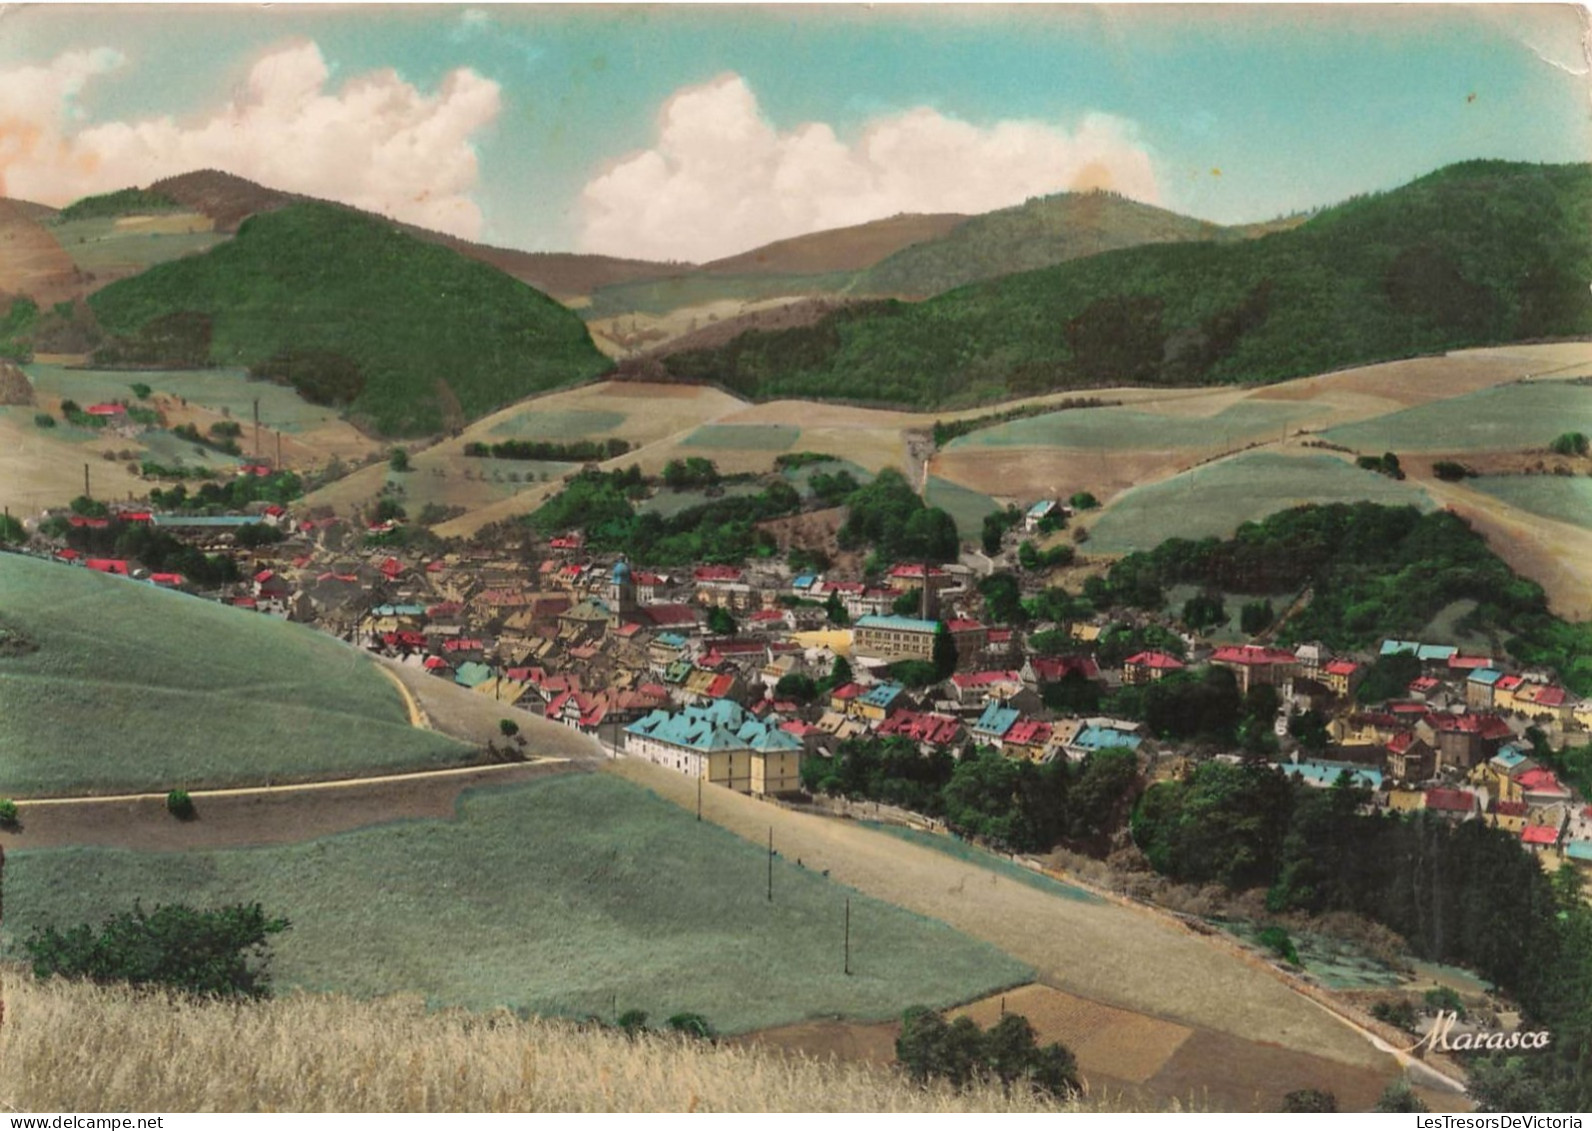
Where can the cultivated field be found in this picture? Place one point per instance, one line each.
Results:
(967, 507)
(743, 437)
(1230, 423)
(113, 247)
(1505, 417)
(83, 1048)
(1214, 500)
(1559, 497)
(578, 894)
(135, 688)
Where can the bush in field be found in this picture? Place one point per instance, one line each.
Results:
(1310, 1101)
(1276, 940)
(633, 1021)
(962, 1054)
(141, 390)
(44, 420)
(1569, 444)
(1399, 1013)
(1445, 999)
(219, 953)
(180, 805)
(691, 1025)
(398, 460)
(508, 728)
(8, 814)
(1398, 1098)
(1451, 472)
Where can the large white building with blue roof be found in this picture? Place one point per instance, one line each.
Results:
(723, 744)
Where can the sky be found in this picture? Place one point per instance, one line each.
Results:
(695, 132)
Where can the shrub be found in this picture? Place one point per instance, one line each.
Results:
(1400, 1013)
(1398, 1098)
(633, 1021)
(398, 460)
(44, 420)
(141, 390)
(1276, 940)
(1445, 999)
(220, 953)
(1084, 501)
(180, 805)
(1450, 471)
(1310, 1101)
(1569, 444)
(691, 1025)
(508, 728)
(8, 813)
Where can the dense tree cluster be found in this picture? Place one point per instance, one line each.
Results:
(575, 451)
(888, 515)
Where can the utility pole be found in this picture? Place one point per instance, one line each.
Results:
(86, 493)
(256, 429)
(848, 937)
(279, 449)
(771, 863)
(699, 796)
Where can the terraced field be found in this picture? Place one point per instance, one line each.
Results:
(126, 687)
(578, 894)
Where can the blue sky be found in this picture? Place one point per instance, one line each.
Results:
(557, 139)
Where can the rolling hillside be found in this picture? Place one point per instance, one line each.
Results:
(1474, 254)
(112, 685)
(412, 337)
(1039, 233)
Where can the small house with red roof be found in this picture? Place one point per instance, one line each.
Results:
(1148, 667)
(108, 411)
(927, 728)
(1040, 670)
(1539, 837)
(117, 566)
(1410, 759)
(1454, 804)
(1252, 664)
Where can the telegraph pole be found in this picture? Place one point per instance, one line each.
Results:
(86, 493)
(256, 429)
(848, 936)
(771, 863)
(699, 796)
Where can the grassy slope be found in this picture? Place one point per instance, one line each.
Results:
(1476, 253)
(560, 896)
(410, 314)
(1040, 233)
(134, 688)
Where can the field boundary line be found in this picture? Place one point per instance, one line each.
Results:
(298, 787)
(417, 714)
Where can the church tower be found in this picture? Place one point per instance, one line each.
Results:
(621, 594)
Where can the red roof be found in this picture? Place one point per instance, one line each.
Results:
(1487, 726)
(1539, 834)
(1450, 800)
(921, 726)
(1054, 669)
(670, 615)
(717, 573)
(722, 685)
(244, 602)
(1156, 660)
(1540, 781)
(1399, 743)
(105, 409)
(1000, 636)
(136, 516)
(986, 678)
(763, 616)
(642, 577)
(436, 567)
(108, 565)
(462, 646)
(963, 626)
(1251, 655)
(916, 570)
(1424, 684)
(68, 555)
(1550, 697)
(1510, 808)
(264, 575)
(846, 691)
(1342, 667)
(392, 567)
(1029, 732)
(81, 521)
(255, 469)
(1469, 663)
(167, 578)
(435, 662)
(275, 509)
(797, 728)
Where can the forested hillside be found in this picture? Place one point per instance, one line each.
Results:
(1477, 253)
(411, 337)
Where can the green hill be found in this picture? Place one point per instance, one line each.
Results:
(1474, 254)
(112, 685)
(412, 337)
(126, 202)
(1039, 233)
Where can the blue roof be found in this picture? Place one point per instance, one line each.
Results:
(996, 719)
(621, 573)
(206, 519)
(881, 694)
(1098, 738)
(671, 640)
(805, 581)
(399, 610)
(1392, 647)
(719, 725)
(1437, 651)
(1326, 773)
(1487, 676)
(472, 674)
(1509, 757)
(1042, 508)
(1579, 850)
(899, 624)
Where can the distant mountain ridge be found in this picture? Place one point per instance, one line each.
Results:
(1474, 254)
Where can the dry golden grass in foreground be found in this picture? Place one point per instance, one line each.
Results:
(74, 1047)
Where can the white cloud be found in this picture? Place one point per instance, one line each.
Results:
(719, 179)
(377, 143)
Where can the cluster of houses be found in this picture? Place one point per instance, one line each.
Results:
(631, 657)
